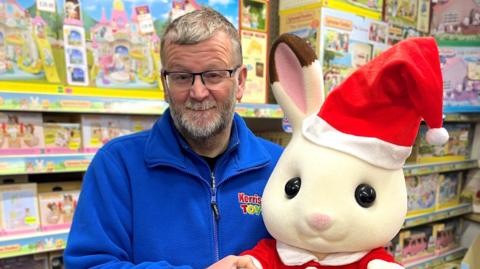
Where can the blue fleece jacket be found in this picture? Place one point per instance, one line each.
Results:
(147, 201)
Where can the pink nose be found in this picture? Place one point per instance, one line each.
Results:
(319, 221)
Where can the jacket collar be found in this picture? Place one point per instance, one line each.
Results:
(293, 256)
(166, 146)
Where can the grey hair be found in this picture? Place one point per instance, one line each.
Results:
(197, 26)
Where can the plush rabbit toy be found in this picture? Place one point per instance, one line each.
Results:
(337, 194)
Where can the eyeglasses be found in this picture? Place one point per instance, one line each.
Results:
(184, 80)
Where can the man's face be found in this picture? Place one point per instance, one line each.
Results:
(200, 111)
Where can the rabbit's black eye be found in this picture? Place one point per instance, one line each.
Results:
(293, 187)
(365, 195)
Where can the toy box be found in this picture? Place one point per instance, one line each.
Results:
(343, 41)
(368, 8)
(254, 45)
(62, 137)
(456, 20)
(398, 33)
(97, 130)
(347, 43)
(456, 149)
(19, 206)
(421, 193)
(141, 123)
(37, 261)
(447, 235)
(416, 243)
(57, 209)
(21, 133)
(29, 41)
(413, 14)
(461, 78)
(448, 189)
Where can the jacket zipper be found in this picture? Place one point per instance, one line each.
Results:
(216, 217)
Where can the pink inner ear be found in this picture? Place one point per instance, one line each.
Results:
(290, 75)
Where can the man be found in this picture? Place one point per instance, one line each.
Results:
(186, 193)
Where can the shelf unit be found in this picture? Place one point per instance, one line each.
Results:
(44, 163)
(32, 243)
(451, 255)
(446, 213)
(64, 101)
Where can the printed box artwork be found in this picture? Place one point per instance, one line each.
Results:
(347, 43)
(62, 137)
(21, 133)
(447, 235)
(369, 8)
(254, 45)
(304, 23)
(413, 14)
(416, 243)
(97, 130)
(448, 189)
(456, 20)
(457, 147)
(57, 209)
(461, 78)
(19, 206)
(398, 33)
(29, 48)
(421, 193)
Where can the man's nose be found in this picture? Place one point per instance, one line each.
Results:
(198, 90)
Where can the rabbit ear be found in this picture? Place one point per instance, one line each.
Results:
(296, 78)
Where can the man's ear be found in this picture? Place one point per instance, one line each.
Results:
(242, 80)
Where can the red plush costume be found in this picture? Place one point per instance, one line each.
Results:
(267, 255)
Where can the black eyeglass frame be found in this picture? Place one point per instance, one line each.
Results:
(165, 73)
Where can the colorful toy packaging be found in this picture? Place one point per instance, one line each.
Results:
(414, 14)
(461, 78)
(57, 209)
(421, 191)
(21, 133)
(62, 137)
(416, 243)
(456, 20)
(456, 149)
(343, 41)
(448, 189)
(19, 206)
(367, 8)
(447, 235)
(97, 130)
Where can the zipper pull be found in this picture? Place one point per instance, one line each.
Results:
(216, 213)
(213, 201)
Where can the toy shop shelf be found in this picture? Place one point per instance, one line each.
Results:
(473, 217)
(44, 163)
(422, 169)
(67, 102)
(465, 117)
(446, 213)
(32, 243)
(431, 262)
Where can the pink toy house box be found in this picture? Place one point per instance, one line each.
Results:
(455, 20)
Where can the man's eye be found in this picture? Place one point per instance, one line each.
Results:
(213, 75)
(181, 76)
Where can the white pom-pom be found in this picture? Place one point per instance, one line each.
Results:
(437, 136)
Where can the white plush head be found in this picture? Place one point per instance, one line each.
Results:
(330, 191)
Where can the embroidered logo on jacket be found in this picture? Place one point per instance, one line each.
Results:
(250, 204)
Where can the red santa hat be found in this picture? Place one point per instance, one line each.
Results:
(376, 112)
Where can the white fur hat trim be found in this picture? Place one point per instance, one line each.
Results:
(372, 150)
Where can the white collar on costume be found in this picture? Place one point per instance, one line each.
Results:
(296, 256)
